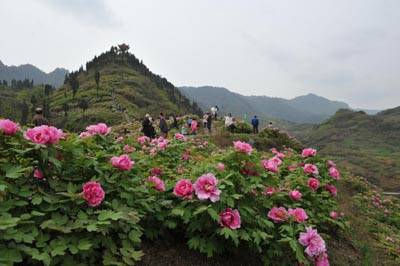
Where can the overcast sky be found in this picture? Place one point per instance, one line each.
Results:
(346, 50)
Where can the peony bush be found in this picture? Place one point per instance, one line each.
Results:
(92, 198)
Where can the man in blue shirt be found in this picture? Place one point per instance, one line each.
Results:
(255, 123)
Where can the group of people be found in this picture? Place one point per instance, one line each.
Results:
(190, 126)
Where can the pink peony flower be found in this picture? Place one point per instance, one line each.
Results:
(44, 134)
(128, 149)
(276, 160)
(332, 189)
(119, 139)
(153, 151)
(310, 169)
(221, 167)
(322, 260)
(278, 214)
(186, 156)
(334, 173)
(298, 214)
(313, 183)
(277, 153)
(184, 189)
(157, 182)
(295, 195)
(161, 143)
(206, 187)
(330, 163)
(309, 152)
(179, 136)
(334, 215)
(38, 174)
(156, 171)
(100, 128)
(143, 139)
(230, 218)
(313, 241)
(269, 191)
(270, 165)
(93, 193)
(8, 127)
(122, 162)
(85, 134)
(292, 167)
(243, 147)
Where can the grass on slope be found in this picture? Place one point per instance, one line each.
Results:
(373, 235)
(133, 92)
(366, 145)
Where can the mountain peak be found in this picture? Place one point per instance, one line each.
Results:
(1, 64)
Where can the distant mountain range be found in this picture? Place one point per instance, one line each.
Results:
(309, 108)
(28, 71)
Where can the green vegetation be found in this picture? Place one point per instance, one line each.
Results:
(19, 104)
(117, 88)
(367, 145)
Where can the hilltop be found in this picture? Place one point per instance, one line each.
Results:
(309, 108)
(127, 89)
(368, 145)
(28, 71)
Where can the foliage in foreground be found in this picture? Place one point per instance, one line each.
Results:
(232, 200)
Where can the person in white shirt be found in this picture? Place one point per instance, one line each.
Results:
(229, 122)
(214, 112)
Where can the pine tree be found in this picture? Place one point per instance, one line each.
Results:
(83, 104)
(97, 79)
(65, 108)
(24, 113)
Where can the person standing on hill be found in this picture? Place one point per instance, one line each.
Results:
(39, 119)
(193, 126)
(209, 121)
(254, 123)
(174, 122)
(214, 111)
(205, 120)
(163, 126)
(147, 127)
(229, 123)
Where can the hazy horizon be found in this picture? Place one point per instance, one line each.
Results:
(341, 50)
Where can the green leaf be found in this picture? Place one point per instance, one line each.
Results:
(135, 235)
(7, 221)
(9, 256)
(84, 244)
(14, 171)
(200, 210)
(298, 250)
(36, 200)
(109, 215)
(36, 213)
(91, 227)
(214, 215)
(2, 187)
(178, 211)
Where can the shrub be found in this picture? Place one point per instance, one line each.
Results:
(65, 202)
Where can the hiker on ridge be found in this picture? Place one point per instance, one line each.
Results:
(209, 121)
(229, 123)
(254, 123)
(147, 127)
(163, 126)
(193, 126)
(39, 119)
